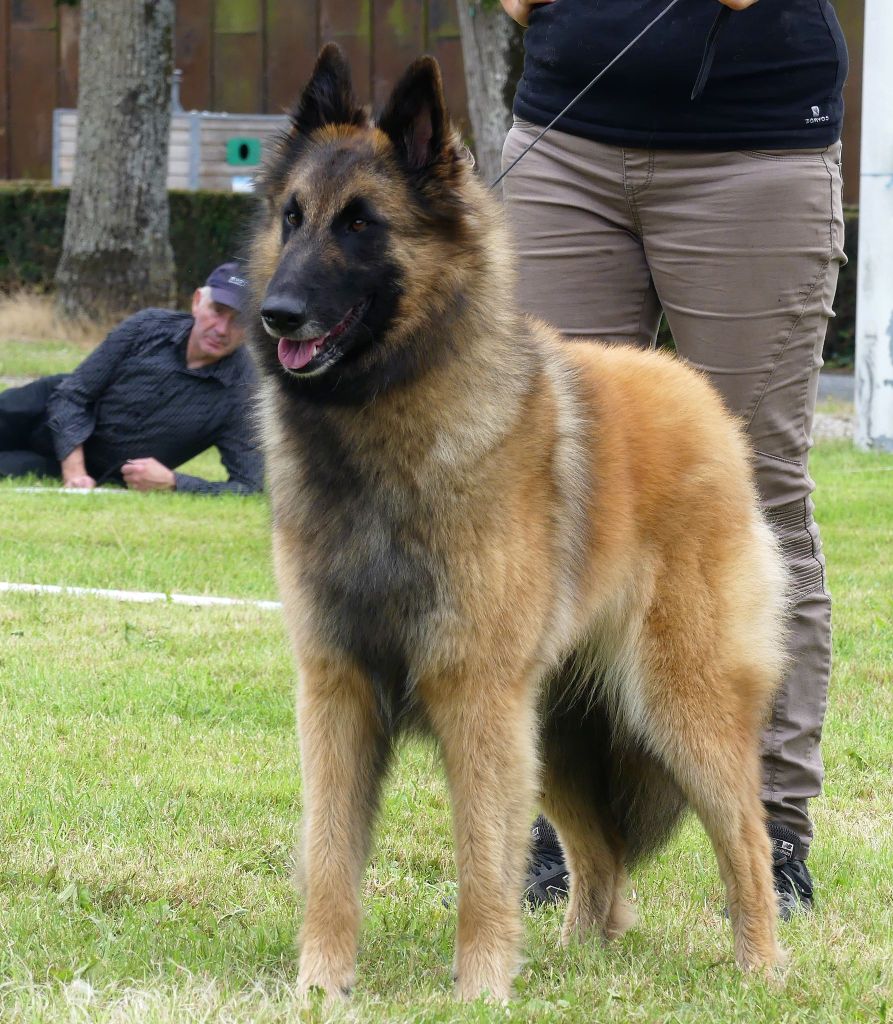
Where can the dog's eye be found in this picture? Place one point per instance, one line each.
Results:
(293, 218)
(358, 224)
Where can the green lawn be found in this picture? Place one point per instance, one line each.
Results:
(38, 358)
(149, 792)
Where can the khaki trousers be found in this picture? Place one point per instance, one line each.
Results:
(741, 250)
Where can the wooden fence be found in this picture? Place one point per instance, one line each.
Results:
(253, 56)
(239, 56)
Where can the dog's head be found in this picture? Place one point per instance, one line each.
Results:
(366, 236)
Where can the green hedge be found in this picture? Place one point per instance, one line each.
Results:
(210, 227)
(207, 228)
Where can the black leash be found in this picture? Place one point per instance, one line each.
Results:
(700, 81)
(109, 473)
(710, 51)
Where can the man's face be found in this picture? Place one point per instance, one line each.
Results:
(216, 332)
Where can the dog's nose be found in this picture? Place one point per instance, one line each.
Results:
(284, 314)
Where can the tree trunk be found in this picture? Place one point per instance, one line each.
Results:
(116, 254)
(492, 53)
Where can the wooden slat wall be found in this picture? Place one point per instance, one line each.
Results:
(253, 56)
(349, 24)
(178, 152)
(214, 132)
(238, 56)
(444, 43)
(69, 47)
(398, 37)
(32, 56)
(4, 90)
(292, 45)
(193, 53)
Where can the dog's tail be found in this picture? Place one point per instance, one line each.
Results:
(587, 746)
(645, 801)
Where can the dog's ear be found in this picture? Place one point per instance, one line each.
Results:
(415, 117)
(328, 97)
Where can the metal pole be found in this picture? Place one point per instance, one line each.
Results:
(874, 294)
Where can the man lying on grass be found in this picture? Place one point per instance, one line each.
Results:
(161, 388)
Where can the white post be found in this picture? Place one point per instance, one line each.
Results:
(874, 295)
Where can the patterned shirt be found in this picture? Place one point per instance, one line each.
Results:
(134, 397)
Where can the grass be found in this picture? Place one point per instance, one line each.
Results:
(831, 406)
(162, 541)
(150, 789)
(35, 340)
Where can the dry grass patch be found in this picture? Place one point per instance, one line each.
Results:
(30, 317)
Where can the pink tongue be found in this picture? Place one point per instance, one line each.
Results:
(295, 354)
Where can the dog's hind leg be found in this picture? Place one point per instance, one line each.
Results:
(344, 754)
(487, 733)
(576, 748)
(734, 820)
(707, 733)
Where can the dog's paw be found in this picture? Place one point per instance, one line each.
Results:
(319, 980)
(771, 967)
(484, 976)
(309, 993)
(621, 917)
(577, 928)
(492, 990)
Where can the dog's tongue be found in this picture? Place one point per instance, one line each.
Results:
(295, 354)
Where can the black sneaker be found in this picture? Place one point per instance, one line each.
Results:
(793, 884)
(547, 877)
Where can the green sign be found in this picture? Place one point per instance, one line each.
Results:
(243, 151)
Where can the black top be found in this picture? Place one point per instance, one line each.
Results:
(134, 397)
(776, 80)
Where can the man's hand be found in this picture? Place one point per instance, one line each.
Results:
(738, 5)
(74, 470)
(520, 9)
(147, 475)
(84, 481)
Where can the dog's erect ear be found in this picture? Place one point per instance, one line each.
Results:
(415, 117)
(328, 97)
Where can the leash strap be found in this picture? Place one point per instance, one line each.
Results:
(719, 21)
(700, 82)
(115, 468)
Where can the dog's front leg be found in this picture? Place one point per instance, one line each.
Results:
(343, 756)
(486, 728)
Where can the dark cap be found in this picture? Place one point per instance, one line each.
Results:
(229, 285)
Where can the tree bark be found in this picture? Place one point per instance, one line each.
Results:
(492, 53)
(116, 253)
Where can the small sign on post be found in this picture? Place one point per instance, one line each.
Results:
(243, 151)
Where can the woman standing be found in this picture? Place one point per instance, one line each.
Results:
(724, 212)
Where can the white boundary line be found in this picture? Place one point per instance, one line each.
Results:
(138, 596)
(70, 490)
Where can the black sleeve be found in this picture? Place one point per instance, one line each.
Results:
(71, 411)
(240, 454)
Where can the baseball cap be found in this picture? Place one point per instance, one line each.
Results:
(229, 285)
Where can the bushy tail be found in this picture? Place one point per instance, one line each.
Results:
(586, 746)
(646, 803)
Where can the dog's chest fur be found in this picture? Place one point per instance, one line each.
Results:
(371, 563)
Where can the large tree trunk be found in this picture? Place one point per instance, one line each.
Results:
(117, 256)
(492, 53)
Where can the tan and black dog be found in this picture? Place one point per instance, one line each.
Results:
(548, 554)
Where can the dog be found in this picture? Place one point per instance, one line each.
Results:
(547, 554)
